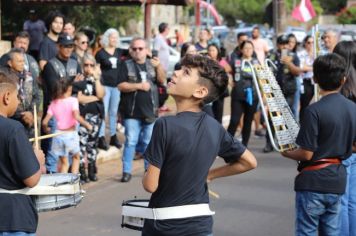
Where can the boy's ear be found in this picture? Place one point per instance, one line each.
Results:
(201, 92)
(343, 81)
(6, 97)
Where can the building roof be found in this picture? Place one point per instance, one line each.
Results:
(105, 2)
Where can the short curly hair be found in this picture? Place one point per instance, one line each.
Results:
(212, 75)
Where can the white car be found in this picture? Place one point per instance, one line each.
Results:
(174, 55)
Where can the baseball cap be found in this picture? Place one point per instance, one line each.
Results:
(282, 39)
(65, 39)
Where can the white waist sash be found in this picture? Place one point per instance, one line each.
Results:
(165, 213)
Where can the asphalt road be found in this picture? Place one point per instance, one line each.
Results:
(257, 203)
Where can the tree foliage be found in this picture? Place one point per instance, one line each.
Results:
(347, 16)
(249, 11)
(98, 17)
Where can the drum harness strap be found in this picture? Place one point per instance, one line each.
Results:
(322, 163)
(46, 190)
(165, 213)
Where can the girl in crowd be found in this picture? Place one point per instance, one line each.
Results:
(65, 109)
(243, 95)
(218, 105)
(90, 93)
(306, 63)
(348, 201)
(109, 58)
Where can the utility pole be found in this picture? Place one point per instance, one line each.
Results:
(278, 16)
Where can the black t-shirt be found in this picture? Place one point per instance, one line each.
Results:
(329, 130)
(110, 65)
(88, 88)
(48, 49)
(17, 163)
(184, 147)
(137, 104)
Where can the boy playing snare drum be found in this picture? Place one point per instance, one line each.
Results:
(19, 166)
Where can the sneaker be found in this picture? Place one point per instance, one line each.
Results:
(126, 177)
(268, 148)
(259, 133)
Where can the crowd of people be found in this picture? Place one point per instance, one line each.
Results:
(80, 87)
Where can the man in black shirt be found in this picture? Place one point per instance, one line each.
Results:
(138, 80)
(19, 166)
(48, 47)
(183, 148)
(61, 66)
(327, 136)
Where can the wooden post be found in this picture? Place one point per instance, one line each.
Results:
(148, 21)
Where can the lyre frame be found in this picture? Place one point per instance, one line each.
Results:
(264, 113)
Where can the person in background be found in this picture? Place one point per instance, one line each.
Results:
(306, 57)
(330, 39)
(90, 94)
(110, 58)
(293, 48)
(81, 43)
(260, 45)
(69, 28)
(179, 39)
(97, 45)
(348, 201)
(202, 44)
(187, 49)
(213, 39)
(218, 105)
(243, 95)
(36, 28)
(48, 46)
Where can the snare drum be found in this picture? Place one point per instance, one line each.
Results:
(130, 212)
(57, 191)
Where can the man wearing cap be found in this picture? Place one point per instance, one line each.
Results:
(61, 66)
(288, 69)
(36, 28)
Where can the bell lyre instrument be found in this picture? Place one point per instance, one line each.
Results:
(277, 110)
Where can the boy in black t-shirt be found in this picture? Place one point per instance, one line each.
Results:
(19, 166)
(183, 148)
(326, 137)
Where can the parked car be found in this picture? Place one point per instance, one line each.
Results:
(174, 55)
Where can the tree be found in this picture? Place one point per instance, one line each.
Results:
(347, 16)
(98, 17)
(249, 11)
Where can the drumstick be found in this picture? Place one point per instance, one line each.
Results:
(35, 126)
(214, 194)
(49, 136)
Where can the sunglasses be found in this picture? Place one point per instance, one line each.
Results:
(137, 49)
(84, 42)
(91, 65)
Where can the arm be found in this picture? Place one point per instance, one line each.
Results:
(295, 70)
(298, 154)
(33, 180)
(246, 162)
(151, 178)
(99, 88)
(45, 123)
(84, 99)
(81, 120)
(127, 87)
(42, 64)
(160, 73)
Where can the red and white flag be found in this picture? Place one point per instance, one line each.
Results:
(304, 11)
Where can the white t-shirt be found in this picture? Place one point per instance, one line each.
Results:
(160, 44)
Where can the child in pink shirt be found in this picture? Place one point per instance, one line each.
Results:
(65, 109)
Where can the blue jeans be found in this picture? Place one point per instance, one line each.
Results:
(317, 214)
(348, 200)
(18, 233)
(111, 105)
(51, 158)
(135, 129)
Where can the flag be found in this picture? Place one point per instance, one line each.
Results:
(304, 11)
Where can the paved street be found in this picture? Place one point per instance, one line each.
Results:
(257, 203)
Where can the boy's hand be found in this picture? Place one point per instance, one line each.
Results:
(89, 127)
(145, 86)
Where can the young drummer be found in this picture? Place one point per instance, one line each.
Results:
(183, 148)
(19, 166)
(326, 137)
